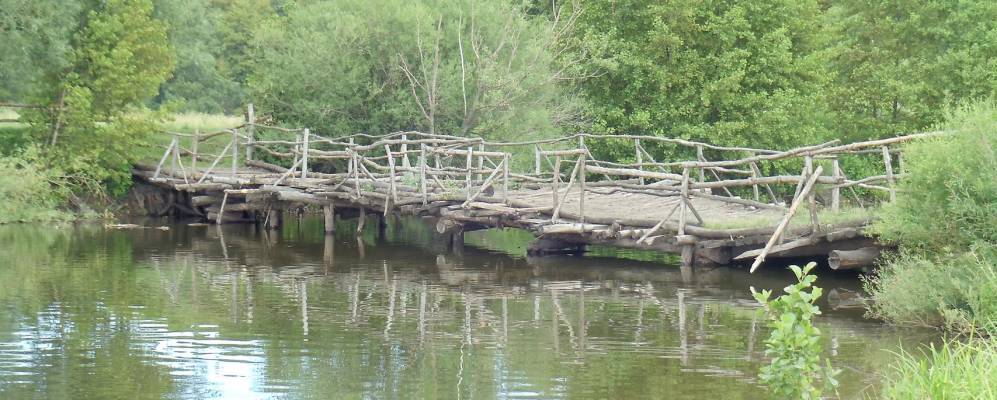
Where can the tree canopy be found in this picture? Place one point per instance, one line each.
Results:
(769, 73)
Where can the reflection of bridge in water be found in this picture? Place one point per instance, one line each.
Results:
(578, 309)
(740, 207)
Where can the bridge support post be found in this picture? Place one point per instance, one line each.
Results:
(329, 212)
(274, 219)
(688, 243)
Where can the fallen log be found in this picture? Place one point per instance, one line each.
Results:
(852, 259)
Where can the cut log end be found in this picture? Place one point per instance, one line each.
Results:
(852, 259)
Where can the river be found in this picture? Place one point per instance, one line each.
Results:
(198, 312)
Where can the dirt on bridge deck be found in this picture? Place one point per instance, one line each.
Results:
(610, 203)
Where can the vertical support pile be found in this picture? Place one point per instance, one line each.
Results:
(329, 212)
(640, 159)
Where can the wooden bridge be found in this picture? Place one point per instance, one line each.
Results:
(718, 207)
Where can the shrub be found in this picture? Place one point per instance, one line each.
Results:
(949, 193)
(29, 192)
(957, 290)
(794, 344)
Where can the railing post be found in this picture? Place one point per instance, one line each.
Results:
(250, 131)
(581, 190)
(640, 159)
(193, 148)
(556, 179)
(754, 177)
(836, 191)
(702, 171)
(536, 163)
(481, 159)
(235, 152)
(422, 173)
(888, 163)
(304, 153)
(505, 179)
(176, 155)
(404, 150)
(684, 198)
(352, 164)
(470, 168)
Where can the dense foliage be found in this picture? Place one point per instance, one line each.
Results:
(447, 66)
(944, 221)
(729, 72)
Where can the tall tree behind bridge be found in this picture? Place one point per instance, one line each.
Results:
(900, 63)
(733, 72)
(199, 82)
(445, 66)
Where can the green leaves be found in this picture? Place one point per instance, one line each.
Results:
(794, 344)
(727, 72)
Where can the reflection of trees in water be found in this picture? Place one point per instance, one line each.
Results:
(313, 314)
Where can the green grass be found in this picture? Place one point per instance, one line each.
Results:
(953, 371)
(190, 122)
(205, 123)
(801, 218)
(10, 113)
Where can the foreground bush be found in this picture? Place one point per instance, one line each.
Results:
(956, 370)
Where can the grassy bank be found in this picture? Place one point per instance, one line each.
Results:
(953, 371)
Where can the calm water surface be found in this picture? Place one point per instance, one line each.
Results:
(201, 312)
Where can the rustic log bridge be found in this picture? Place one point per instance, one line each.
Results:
(469, 183)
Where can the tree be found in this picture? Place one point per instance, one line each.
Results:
(447, 66)
(198, 83)
(899, 64)
(35, 41)
(120, 58)
(731, 72)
